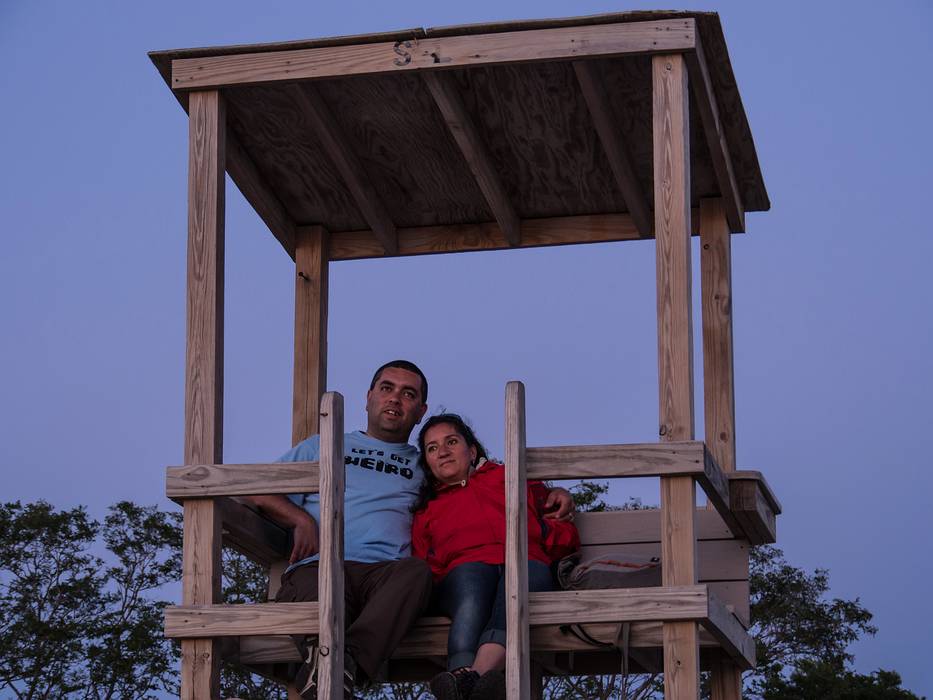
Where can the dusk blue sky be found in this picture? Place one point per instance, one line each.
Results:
(832, 298)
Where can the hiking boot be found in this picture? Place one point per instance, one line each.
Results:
(490, 686)
(456, 685)
(307, 676)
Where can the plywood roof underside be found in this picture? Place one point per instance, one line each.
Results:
(532, 118)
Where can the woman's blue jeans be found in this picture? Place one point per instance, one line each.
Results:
(473, 597)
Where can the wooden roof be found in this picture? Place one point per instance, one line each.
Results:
(396, 142)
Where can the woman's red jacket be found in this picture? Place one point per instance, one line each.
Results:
(466, 523)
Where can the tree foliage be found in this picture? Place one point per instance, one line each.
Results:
(81, 616)
(74, 625)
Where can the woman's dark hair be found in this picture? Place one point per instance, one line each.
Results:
(428, 490)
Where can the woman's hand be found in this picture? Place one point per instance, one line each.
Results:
(559, 504)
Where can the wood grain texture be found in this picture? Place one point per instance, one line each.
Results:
(257, 191)
(204, 326)
(705, 99)
(203, 374)
(725, 680)
(730, 633)
(310, 368)
(718, 374)
(518, 650)
(681, 660)
(753, 511)
(464, 238)
(640, 526)
(604, 461)
(766, 491)
(204, 480)
(348, 165)
(434, 53)
(610, 135)
(672, 227)
(330, 576)
(254, 536)
(446, 95)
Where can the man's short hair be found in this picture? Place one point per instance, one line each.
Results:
(408, 366)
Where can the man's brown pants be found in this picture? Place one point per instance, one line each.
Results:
(382, 602)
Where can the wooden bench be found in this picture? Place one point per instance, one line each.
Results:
(743, 513)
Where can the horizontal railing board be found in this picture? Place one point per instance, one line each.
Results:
(615, 461)
(205, 480)
(636, 526)
(433, 53)
(556, 607)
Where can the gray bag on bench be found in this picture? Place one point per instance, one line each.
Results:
(613, 570)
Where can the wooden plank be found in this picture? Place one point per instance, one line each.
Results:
(672, 226)
(547, 608)
(435, 53)
(675, 356)
(753, 511)
(619, 604)
(605, 461)
(763, 485)
(200, 676)
(707, 105)
(607, 127)
(518, 650)
(258, 538)
(348, 165)
(204, 480)
(310, 370)
(330, 576)
(718, 375)
(257, 192)
(471, 144)
(733, 638)
(642, 526)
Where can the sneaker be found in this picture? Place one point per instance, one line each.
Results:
(456, 685)
(306, 678)
(490, 686)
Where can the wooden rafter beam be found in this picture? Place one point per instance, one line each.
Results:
(246, 177)
(706, 104)
(607, 127)
(464, 238)
(660, 36)
(348, 165)
(447, 97)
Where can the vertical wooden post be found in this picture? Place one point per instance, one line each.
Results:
(718, 378)
(675, 356)
(310, 379)
(330, 581)
(517, 666)
(204, 362)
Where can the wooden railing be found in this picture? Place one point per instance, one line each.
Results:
(741, 499)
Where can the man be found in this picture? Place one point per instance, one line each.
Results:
(386, 589)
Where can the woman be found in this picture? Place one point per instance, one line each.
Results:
(459, 529)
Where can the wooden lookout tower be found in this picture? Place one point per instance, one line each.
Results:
(609, 128)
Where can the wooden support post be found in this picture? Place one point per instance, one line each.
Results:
(718, 381)
(200, 658)
(311, 264)
(330, 581)
(675, 356)
(518, 649)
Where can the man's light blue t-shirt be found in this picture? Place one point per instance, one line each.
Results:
(382, 483)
